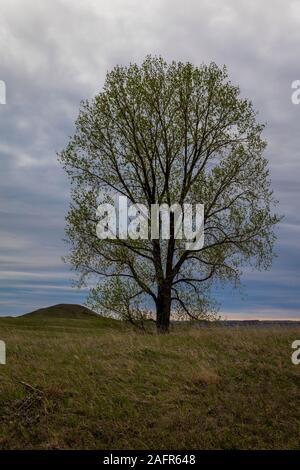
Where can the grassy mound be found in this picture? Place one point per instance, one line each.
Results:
(62, 311)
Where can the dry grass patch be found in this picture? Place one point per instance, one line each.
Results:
(105, 387)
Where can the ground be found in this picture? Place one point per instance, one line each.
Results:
(89, 382)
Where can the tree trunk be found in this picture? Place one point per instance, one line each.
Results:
(163, 309)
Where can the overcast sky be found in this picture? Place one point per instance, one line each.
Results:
(56, 52)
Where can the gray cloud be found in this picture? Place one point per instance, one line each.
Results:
(55, 53)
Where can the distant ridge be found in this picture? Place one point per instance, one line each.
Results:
(260, 323)
(62, 311)
(250, 323)
(241, 323)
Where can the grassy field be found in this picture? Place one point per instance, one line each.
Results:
(92, 383)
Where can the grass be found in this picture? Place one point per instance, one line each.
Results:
(92, 383)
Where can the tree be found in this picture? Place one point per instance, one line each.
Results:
(168, 133)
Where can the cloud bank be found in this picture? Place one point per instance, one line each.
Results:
(56, 53)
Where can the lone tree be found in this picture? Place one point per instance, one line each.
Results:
(168, 133)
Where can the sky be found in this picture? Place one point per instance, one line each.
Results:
(54, 53)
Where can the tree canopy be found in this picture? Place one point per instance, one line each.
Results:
(168, 133)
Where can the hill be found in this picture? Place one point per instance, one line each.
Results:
(62, 311)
